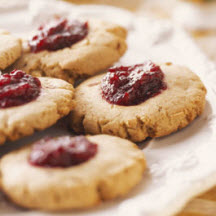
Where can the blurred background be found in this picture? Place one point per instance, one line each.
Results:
(198, 17)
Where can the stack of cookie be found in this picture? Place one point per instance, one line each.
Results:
(108, 112)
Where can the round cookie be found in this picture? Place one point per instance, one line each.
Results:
(171, 110)
(104, 45)
(10, 49)
(116, 168)
(54, 102)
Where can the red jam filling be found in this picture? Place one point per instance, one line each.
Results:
(17, 88)
(132, 85)
(63, 151)
(58, 34)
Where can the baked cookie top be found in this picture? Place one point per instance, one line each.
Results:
(53, 101)
(100, 48)
(10, 49)
(172, 109)
(113, 171)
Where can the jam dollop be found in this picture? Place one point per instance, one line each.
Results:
(58, 34)
(63, 151)
(17, 88)
(132, 85)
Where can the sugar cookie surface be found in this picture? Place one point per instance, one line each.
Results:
(104, 45)
(116, 168)
(173, 109)
(10, 49)
(54, 102)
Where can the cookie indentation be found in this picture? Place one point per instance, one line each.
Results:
(132, 85)
(17, 88)
(62, 151)
(58, 34)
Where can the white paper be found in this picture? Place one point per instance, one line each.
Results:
(195, 17)
(181, 165)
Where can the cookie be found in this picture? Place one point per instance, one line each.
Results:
(104, 45)
(167, 112)
(55, 101)
(10, 49)
(115, 169)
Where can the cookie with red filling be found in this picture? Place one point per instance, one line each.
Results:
(69, 49)
(138, 101)
(71, 172)
(28, 103)
(10, 49)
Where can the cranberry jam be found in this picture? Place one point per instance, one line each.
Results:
(132, 85)
(63, 151)
(17, 88)
(58, 34)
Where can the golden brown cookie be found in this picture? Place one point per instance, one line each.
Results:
(171, 110)
(115, 169)
(104, 45)
(10, 49)
(55, 101)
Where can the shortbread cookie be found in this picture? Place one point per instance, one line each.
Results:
(10, 49)
(113, 171)
(25, 109)
(178, 102)
(100, 48)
